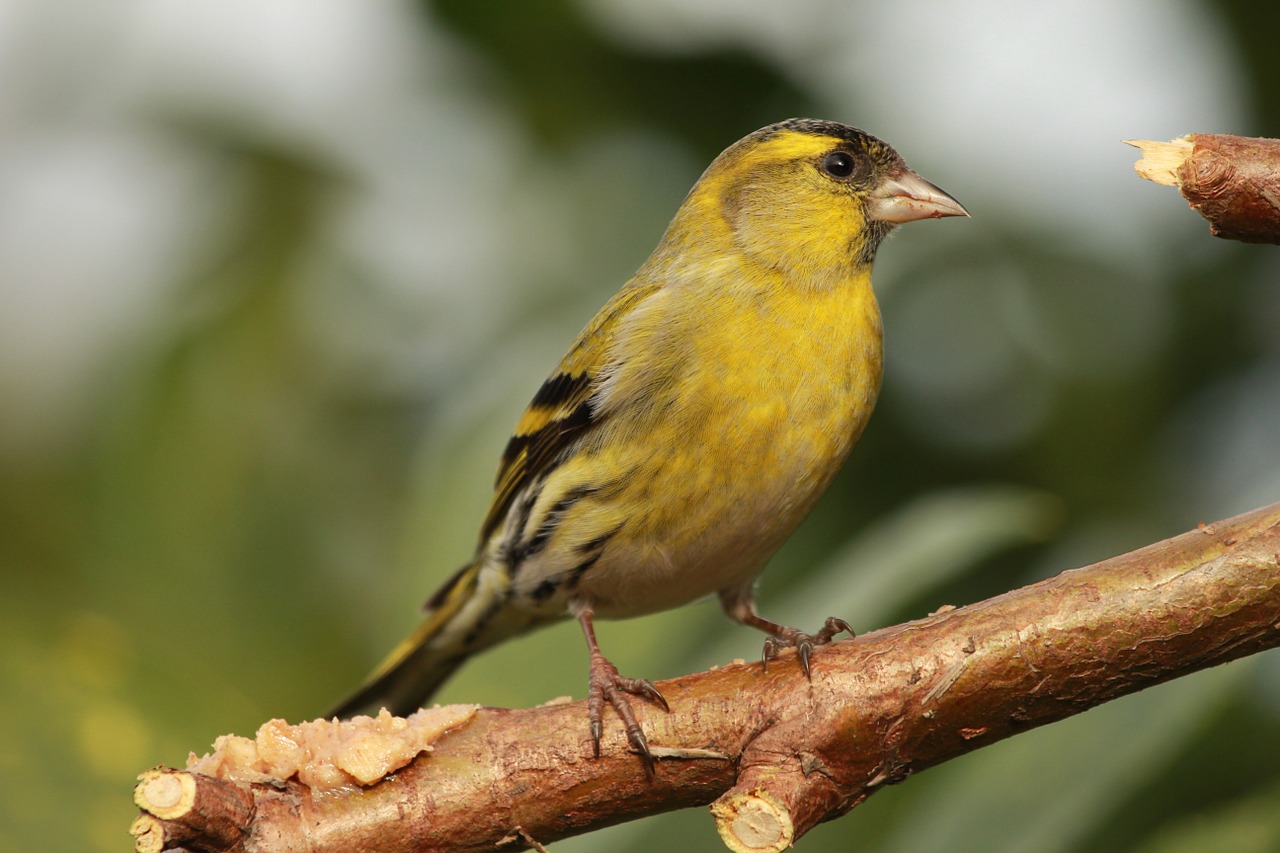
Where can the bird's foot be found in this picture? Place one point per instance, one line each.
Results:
(803, 643)
(606, 685)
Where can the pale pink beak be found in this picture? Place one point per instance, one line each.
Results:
(908, 197)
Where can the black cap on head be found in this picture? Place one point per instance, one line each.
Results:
(819, 127)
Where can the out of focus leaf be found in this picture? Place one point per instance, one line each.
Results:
(1246, 826)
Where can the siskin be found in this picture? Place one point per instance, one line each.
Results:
(693, 423)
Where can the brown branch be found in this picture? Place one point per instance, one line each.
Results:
(1234, 181)
(775, 753)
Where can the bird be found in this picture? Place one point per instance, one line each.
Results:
(693, 423)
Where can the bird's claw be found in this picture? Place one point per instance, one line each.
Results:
(606, 685)
(803, 643)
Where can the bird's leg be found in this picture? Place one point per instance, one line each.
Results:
(607, 685)
(742, 609)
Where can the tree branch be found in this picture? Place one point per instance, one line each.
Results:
(1234, 181)
(775, 753)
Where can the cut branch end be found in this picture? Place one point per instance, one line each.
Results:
(1232, 181)
(753, 821)
(164, 793)
(1161, 161)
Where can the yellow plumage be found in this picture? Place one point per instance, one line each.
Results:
(696, 419)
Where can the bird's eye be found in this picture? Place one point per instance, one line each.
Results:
(838, 164)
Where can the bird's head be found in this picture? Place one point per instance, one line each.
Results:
(813, 197)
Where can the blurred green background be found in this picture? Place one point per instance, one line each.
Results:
(276, 279)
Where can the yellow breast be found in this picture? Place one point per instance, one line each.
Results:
(774, 399)
(728, 434)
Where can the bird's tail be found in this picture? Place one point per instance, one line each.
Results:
(466, 615)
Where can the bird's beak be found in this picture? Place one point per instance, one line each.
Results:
(907, 197)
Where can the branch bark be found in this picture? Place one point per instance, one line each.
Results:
(1233, 181)
(773, 753)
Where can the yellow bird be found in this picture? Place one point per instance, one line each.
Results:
(693, 423)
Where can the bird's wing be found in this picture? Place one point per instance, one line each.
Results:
(565, 409)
